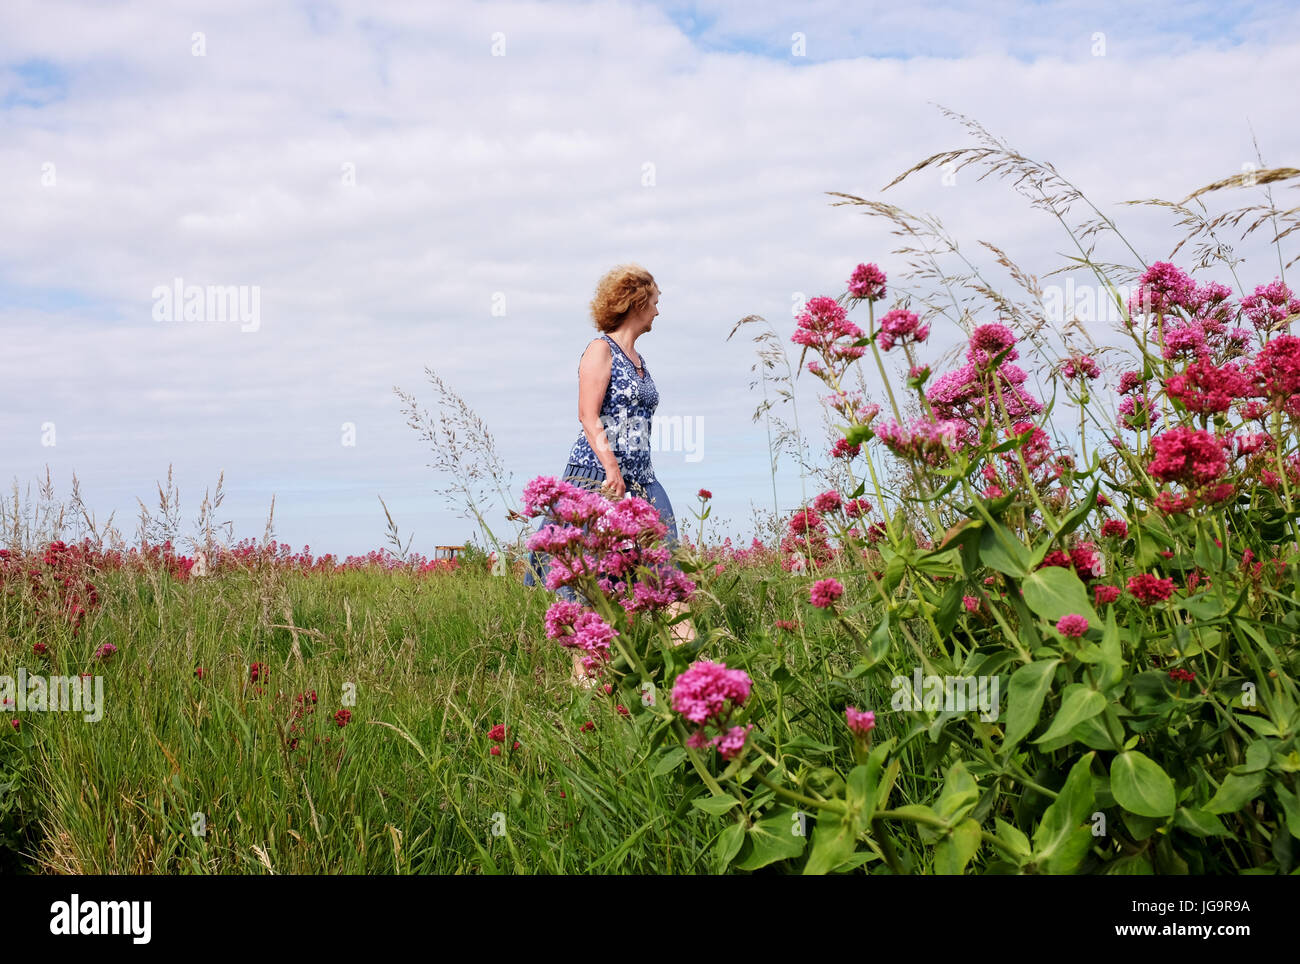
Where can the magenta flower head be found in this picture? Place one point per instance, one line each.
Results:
(702, 692)
(560, 619)
(1081, 366)
(1192, 456)
(899, 326)
(824, 592)
(1148, 589)
(859, 721)
(989, 341)
(1072, 626)
(730, 743)
(106, 651)
(868, 281)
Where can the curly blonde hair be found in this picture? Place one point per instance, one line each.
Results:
(622, 290)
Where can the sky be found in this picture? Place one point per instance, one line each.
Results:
(395, 187)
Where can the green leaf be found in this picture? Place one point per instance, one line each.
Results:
(728, 845)
(1028, 688)
(1291, 808)
(1132, 865)
(1079, 703)
(1199, 822)
(1014, 837)
(1235, 792)
(1053, 592)
(860, 788)
(1141, 786)
(774, 838)
(949, 609)
(878, 644)
(834, 841)
(955, 851)
(959, 796)
(669, 761)
(1001, 550)
(715, 805)
(1258, 756)
(1202, 606)
(1063, 836)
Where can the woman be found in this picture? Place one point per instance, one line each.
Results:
(615, 389)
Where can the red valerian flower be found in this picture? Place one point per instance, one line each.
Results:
(343, 717)
(497, 733)
(1192, 456)
(495, 751)
(198, 672)
(1174, 504)
(1204, 388)
(1082, 366)
(1104, 594)
(1072, 626)
(824, 592)
(868, 282)
(1278, 365)
(1116, 528)
(1087, 561)
(842, 449)
(1182, 675)
(705, 494)
(40, 649)
(1147, 588)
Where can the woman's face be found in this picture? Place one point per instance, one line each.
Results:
(652, 309)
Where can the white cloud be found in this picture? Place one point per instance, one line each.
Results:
(522, 175)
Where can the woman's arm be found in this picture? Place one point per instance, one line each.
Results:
(593, 379)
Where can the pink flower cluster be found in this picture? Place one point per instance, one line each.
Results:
(1072, 626)
(1194, 457)
(1148, 589)
(706, 694)
(610, 542)
(1084, 559)
(971, 392)
(900, 327)
(583, 629)
(825, 592)
(867, 281)
(1270, 305)
(860, 722)
(931, 442)
(1204, 388)
(822, 325)
(1080, 366)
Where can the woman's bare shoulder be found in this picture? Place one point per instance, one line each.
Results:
(597, 356)
(598, 348)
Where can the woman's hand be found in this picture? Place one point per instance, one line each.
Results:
(613, 487)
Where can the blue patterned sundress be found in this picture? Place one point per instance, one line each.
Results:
(627, 410)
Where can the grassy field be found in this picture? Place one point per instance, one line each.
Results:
(202, 774)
